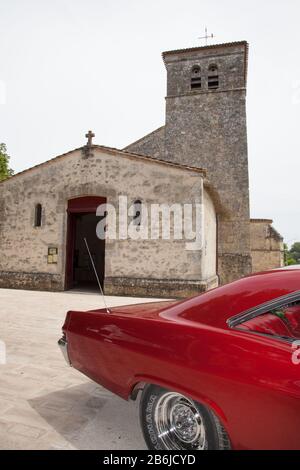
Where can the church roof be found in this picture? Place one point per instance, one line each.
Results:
(266, 221)
(210, 46)
(159, 129)
(112, 151)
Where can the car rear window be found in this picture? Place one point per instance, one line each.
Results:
(279, 321)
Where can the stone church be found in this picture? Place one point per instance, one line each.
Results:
(200, 154)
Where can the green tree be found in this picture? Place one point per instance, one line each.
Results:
(288, 257)
(295, 252)
(5, 170)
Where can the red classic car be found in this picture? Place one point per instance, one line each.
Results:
(217, 371)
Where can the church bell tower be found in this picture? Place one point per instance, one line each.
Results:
(206, 127)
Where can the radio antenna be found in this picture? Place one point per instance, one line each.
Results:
(96, 274)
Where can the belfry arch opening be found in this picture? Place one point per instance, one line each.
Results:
(196, 77)
(213, 77)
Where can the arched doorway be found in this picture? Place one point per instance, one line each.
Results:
(82, 222)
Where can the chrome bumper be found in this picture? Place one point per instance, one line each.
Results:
(63, 344)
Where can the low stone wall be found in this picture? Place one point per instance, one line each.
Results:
(267, 248)
(165, 288)
(263, 260)
(31, 281)
(133, 287)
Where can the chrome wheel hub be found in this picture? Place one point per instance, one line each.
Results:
(184, 422)
(179, 423)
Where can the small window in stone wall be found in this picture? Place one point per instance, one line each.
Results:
(137, 212)
(196, 77)
(213, 77)
(38, 215)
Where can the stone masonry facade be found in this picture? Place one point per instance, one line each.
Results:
(207, 128)
(132, 267)
(267, 249)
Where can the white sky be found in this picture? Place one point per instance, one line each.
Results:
(67, 66)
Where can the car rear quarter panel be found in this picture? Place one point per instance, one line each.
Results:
(248, 380)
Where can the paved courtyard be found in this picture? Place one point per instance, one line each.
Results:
(44, 404)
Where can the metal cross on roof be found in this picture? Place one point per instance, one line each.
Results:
(207, 36)
(89, 137)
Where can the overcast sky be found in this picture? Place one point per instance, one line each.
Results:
(67, 66)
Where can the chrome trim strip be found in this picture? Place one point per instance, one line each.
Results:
(63, 344)
(286, 339)
(263, 308)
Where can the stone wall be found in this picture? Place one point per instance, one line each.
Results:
(131, 266)
(207, 128)
(266, 246)
(209, 257)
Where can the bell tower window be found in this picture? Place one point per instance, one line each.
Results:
(196, 77)
(213, 77)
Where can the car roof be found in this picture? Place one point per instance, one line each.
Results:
(291, 266)
(218, 305)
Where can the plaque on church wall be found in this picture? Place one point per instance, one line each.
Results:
(52, 255)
